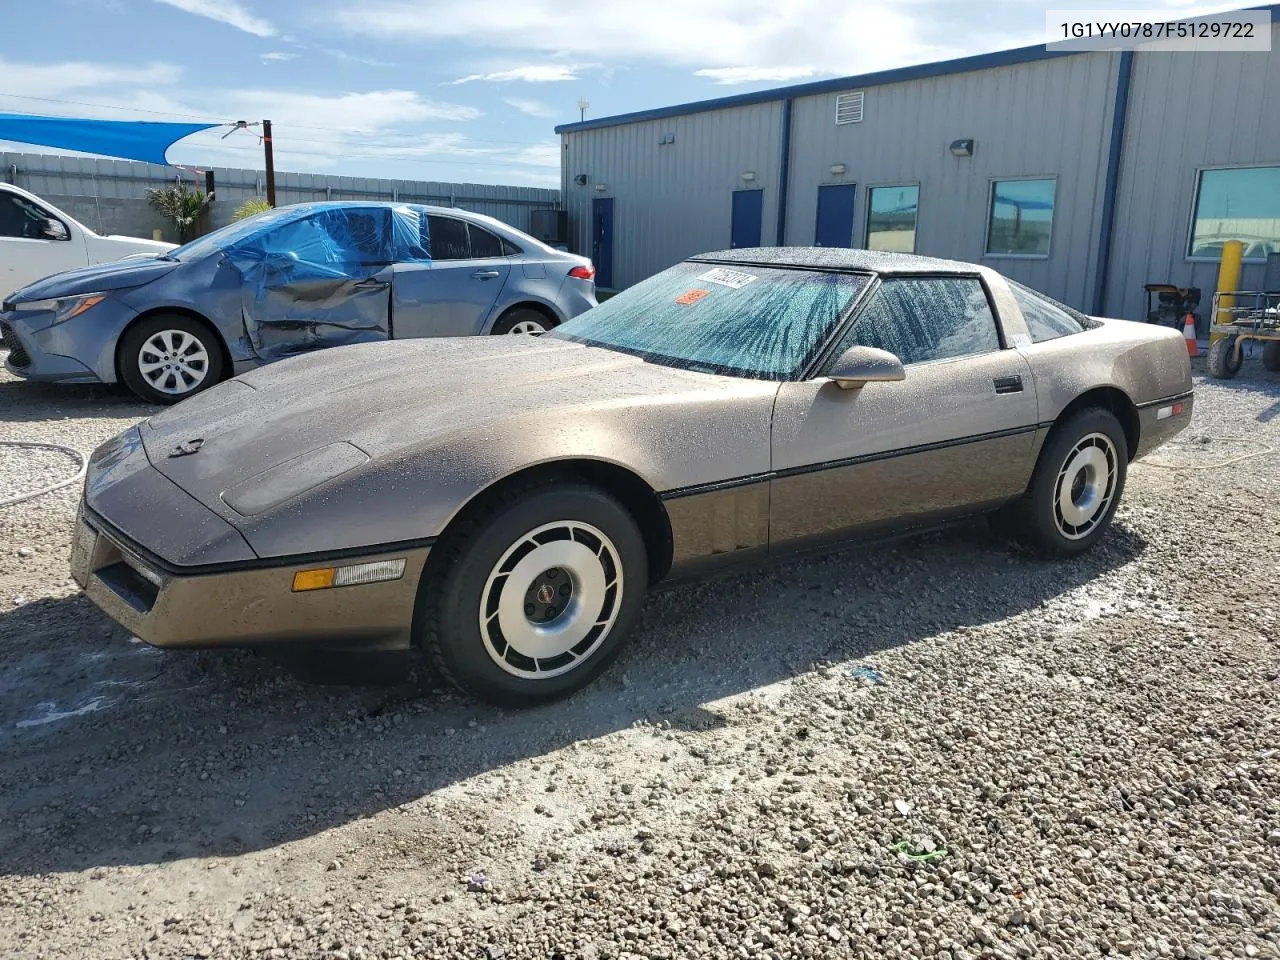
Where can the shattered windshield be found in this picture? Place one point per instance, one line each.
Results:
(767, 323)
(225, 236)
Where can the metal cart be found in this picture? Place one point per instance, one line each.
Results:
(1240, 317)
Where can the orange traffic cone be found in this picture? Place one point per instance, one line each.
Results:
(1189, 333)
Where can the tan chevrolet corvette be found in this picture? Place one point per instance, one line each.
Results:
(505, 503)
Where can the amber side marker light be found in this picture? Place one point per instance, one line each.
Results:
(322, 578)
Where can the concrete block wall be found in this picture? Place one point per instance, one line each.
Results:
(109, 196)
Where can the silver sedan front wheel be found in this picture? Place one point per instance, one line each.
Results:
(551, 599)
(173, 362)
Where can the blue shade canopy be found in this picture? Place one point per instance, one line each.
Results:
(124, 139)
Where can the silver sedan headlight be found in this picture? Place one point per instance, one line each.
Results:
(64, 308)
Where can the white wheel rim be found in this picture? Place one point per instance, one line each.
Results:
(173, 362)
(551, 600)
(1085, 487)
(528, 326)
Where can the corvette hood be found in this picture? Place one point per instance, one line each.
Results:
(309, 419)
(96, 279)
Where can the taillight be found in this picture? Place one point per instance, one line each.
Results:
(584, 273)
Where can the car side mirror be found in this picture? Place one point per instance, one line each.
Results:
(55, 230)
(859, 366)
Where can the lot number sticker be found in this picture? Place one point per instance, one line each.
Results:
(727, 278)
(691, 296)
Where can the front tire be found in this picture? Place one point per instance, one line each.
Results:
(1075, 488)
(169, 357)
(1224, 359)
(533, 596)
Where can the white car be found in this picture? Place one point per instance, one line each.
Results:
(38, 240)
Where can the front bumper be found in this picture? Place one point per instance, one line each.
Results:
(79, 350)
(240, 604)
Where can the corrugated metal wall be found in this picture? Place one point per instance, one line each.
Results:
(1046, 118)
(1186, 111)
(905, 135)
(109, 196)
(672, 200)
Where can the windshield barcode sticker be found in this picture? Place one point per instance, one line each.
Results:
(727, 278)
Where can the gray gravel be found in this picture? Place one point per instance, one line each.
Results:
(936, 748)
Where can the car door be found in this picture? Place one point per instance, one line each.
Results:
(454, 294)
(956, 434)
(319, 281)
(34, 244)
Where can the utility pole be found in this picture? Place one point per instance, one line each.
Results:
(271, 166)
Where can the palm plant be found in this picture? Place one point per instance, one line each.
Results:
(251, 208)
(181, 206)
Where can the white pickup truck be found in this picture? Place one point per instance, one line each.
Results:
(38, 240)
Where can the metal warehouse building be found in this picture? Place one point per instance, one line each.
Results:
(1084, 174)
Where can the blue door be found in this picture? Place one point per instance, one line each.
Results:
(748, 212)
(602, 240)
(835, 216)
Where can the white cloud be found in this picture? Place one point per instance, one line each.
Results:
(534, 108)
(690, 33)
(535, 73)
(279, 55)
(729, 75)
(231, 12)
(379, 133)
(346, 57)
(51, 79)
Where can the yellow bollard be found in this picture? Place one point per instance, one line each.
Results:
(157, 234)
(1228, 279)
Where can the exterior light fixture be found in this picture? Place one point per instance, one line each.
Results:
(837, 169)
(601, 188)
(749, 176)
(962, 148)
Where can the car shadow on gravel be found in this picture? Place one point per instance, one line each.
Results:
(25, 401)
(223, 753)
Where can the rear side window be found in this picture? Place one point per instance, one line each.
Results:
(919, 319)
(448, 238)
(1046, 318)
(483, 243)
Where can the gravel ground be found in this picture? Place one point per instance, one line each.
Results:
(935, 748)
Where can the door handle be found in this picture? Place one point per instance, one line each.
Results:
(486, 274)
(370, 283)
(1008, 384)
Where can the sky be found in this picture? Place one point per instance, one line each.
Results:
(459, 90)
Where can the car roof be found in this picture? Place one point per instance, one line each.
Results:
(832, 258)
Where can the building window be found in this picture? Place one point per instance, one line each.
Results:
(891, 218)
(1241, 204)
(1021, 218)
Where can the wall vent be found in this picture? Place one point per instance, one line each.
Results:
(849, 107)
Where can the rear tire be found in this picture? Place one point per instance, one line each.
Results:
(522, 320)
(533, 596)
(169, 357)
(1224, 360)
(1075, 488)
(1271, 355)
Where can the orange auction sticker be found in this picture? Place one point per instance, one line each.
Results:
(691, 296)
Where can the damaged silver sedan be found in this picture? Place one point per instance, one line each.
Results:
(286, 282)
